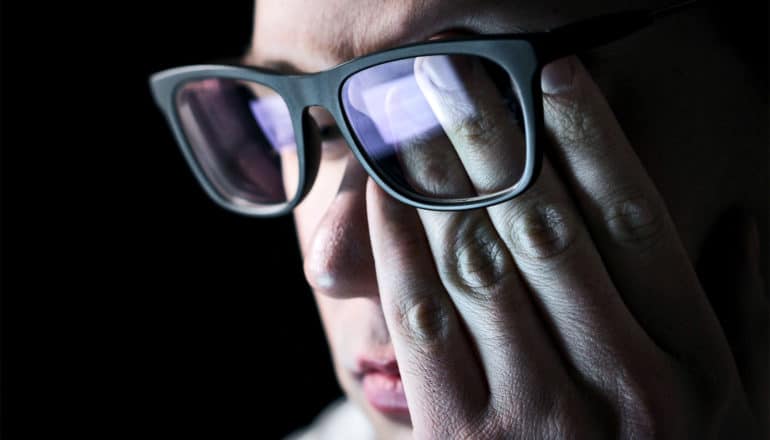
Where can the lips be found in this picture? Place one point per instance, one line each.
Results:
(371, 365)
(382, 386)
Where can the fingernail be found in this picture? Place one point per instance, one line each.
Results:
(445, 72)
(557, 76)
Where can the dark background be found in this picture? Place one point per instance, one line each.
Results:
(131, 304)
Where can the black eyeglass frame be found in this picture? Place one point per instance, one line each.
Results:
(522, 56)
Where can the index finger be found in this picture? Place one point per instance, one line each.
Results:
(478, 115)
(444, 386)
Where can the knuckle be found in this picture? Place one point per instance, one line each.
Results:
(634, 221)
(427, 172)
(477, 261)
(425, 319)
(576, 121)
(478, 128)
(543, 232)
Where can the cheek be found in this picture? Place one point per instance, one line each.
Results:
(342, 349)
(330, 312)
(345, 325)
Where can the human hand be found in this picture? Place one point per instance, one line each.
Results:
(571, 311)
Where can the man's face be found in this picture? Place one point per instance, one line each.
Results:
(331, 221)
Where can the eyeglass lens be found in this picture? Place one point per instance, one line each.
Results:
(444, 127)
(241, 136)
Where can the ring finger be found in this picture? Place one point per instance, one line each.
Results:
(480, 277)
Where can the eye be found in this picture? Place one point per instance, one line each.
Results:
(330, 132)
(332, 143)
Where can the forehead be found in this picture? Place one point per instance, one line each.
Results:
(333, 30)
(318, 34)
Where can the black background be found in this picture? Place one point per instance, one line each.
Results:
(131, 303)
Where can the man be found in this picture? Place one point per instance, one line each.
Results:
(574, 309)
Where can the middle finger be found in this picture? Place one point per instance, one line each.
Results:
(542, 230)
(519, 359)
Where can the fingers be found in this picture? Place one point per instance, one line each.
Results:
(442, 380)
(429, 163)
(517, 377)
(428, 160)
(517, 354)
(477, 116)
(564, 271)
(476, 269)
(547, 237)
(542, 229)
(595, 252)
(627, 218)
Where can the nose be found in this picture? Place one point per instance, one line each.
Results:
(338, 258)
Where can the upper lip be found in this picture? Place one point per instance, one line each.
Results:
(372, 365)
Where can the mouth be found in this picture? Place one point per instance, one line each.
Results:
(381, 382)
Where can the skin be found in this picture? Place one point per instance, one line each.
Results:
(582, 314)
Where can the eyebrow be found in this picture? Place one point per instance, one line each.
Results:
(288, 68)
(281, 66)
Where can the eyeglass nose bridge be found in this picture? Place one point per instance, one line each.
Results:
(314, 90)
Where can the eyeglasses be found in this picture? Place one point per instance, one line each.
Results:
(424, 120)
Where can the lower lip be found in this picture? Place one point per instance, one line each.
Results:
(385, 392)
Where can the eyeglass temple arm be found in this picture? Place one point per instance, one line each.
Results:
(587, 34)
